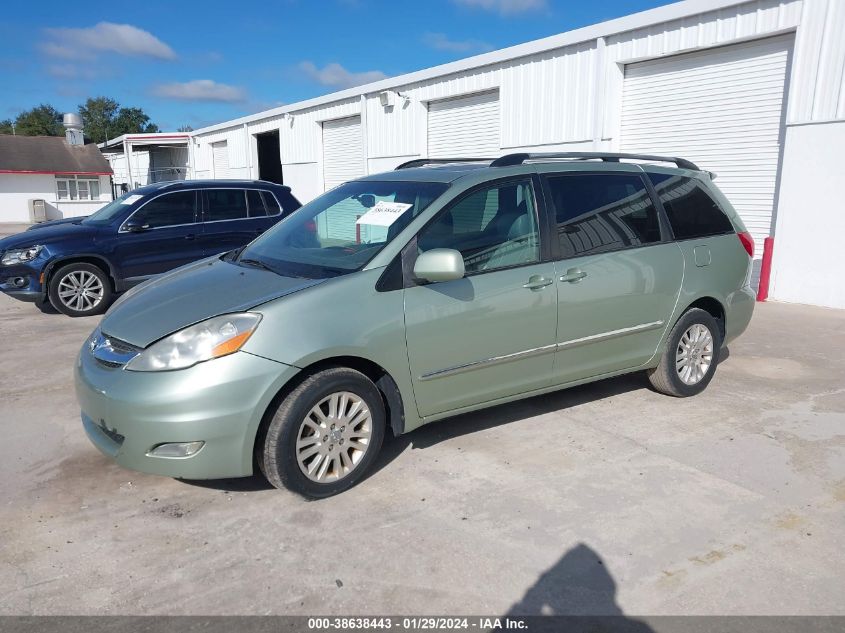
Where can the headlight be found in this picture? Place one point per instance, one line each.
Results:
(21, 255)
(216, 337)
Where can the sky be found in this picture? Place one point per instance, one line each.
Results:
(198, 64)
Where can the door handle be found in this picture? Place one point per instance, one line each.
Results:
(190, 236)
(573, 275)
(536, 282)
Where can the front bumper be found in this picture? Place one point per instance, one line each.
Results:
(23, 281)
(220, 402)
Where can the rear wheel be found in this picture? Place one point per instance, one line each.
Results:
(692, 353)
(80, 289)
(325, 434)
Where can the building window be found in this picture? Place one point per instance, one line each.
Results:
(77, 188)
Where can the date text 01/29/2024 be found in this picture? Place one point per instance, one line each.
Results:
(423, 623)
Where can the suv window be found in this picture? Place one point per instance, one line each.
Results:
(692, 212)
(255, 203)
(271, 203)
(494, 227)
(596, 213)
(225, 204)
(170, 209)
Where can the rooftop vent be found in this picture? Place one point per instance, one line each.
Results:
(73, 129)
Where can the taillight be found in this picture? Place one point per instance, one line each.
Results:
(747, 242)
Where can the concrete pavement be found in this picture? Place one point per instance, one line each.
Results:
(605, 498)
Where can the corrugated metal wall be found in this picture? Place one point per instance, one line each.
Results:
(550, 98)
(818, 79)
(570, 95)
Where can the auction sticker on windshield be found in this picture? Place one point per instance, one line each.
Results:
(384, 213)
(132, 199)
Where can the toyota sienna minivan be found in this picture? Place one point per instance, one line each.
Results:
(406, 297)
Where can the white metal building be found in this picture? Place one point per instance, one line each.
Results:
(754, 91)
(142, 159)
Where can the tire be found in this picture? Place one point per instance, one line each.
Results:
(316, 404)
(674, 377)
(97, 291)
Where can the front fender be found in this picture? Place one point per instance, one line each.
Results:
(342, 317)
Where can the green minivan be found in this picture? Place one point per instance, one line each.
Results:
(410, 296)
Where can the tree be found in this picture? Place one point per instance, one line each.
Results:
(104, 118)
(98, 114)
(185, 128)
(6, 127)
(133, 120)
(42, 120)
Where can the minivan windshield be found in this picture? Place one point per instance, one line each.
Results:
(106, 214)
(342, 230)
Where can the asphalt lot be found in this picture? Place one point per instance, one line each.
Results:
(602, 499)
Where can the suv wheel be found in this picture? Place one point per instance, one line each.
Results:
(80, 289)
(325, 434)
(692, 353)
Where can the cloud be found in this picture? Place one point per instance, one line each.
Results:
(200, 90)
(337, 76)
(505, 7)
(440, 42)
(105, 37)
(73, 71)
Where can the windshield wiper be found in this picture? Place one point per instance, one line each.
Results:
(255, 263)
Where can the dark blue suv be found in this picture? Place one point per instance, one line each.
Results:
(78, 264)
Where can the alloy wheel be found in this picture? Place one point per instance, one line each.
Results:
(81, 290)
(694, 355)
(334, 437)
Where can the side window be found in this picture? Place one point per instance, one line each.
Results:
(255, 203)
(289, 203)
(492, 228)
(271, 203)
(597, 213)
(225, 204)
(692, 212)
(171, 209)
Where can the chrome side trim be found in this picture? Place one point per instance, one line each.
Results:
(611, 334)
(487, 362)
(537, 351)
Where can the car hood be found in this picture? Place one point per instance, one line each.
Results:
(192, 294)
(43, 225)
(47, 233)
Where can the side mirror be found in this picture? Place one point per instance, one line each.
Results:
(439, 264)
(134, 226)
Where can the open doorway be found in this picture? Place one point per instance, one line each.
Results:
(269, 157)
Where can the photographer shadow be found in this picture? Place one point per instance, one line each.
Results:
(580, 595)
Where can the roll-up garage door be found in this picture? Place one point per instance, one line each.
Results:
(721, 108)
(220, 158)
(466, 126)
(343, 160)
(343, 152)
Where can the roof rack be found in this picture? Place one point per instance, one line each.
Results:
(517, 159)
(421, 162)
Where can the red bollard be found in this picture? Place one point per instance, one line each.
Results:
(766, 269)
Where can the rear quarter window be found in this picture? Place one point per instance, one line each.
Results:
(691, 210)
(283, 197)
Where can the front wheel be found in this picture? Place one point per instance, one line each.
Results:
(691, 355)
(325, 434)
(80, 289)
